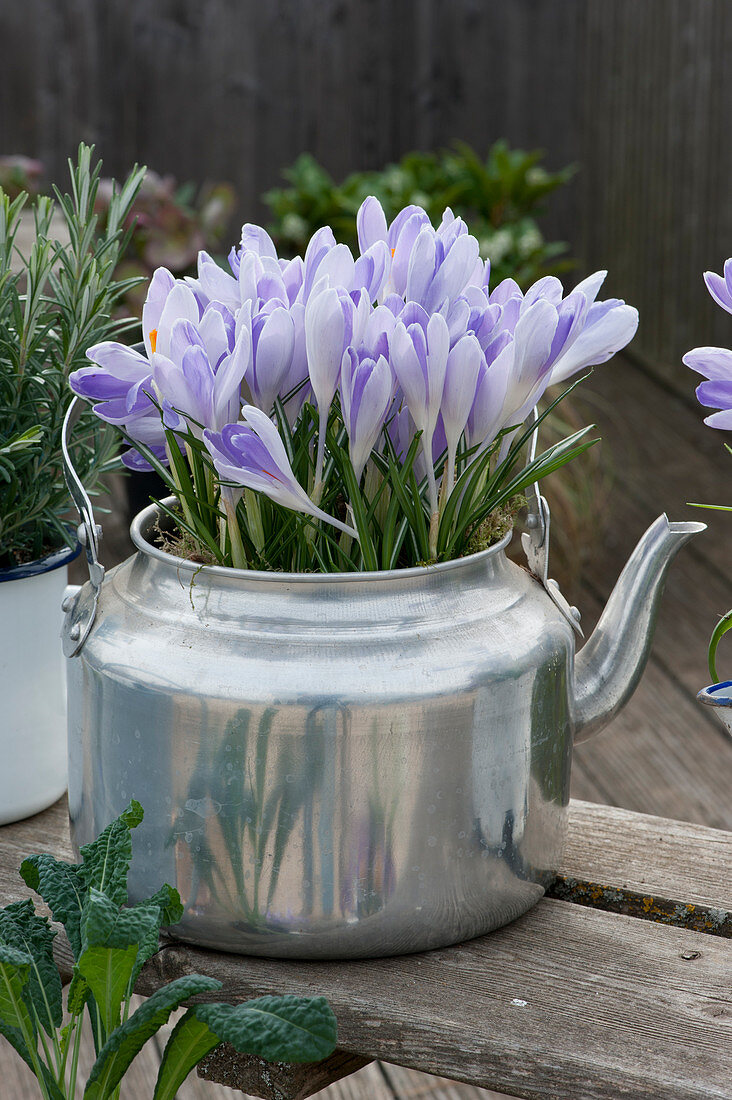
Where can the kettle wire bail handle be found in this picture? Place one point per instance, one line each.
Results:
(80, 608)
(535, 543)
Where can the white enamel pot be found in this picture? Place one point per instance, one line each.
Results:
(33, 768)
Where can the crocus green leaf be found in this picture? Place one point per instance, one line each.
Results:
(61, 888)
(15, 967)
(724, 624)
(128, 1039)
(106, 861)
(278, 1029)
(22, 928)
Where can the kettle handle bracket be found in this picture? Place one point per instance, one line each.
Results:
(80, 609)
(535, 543)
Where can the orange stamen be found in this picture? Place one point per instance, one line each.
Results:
(392, 253)
(153, 339)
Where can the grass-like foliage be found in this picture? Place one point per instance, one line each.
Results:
(389, 507)
(54, 303)
(111, 941)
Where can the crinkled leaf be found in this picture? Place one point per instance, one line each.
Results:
(78, 995)
(128, 1039)
(168, 900)
(21, 927)
(61, 887)
(115, 942)
(106, 860)
(279, 1029)
(15, 969)
(106, 924)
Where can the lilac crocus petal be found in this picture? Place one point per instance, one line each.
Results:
(422, 265)
(461, 379)
(318, 248)
(402, 241)
(187, 385)
(722, 419)
(716, 394)
(273, 339)
(505, 291)
(721, 288)
(370, 223)
(609, 326)
(180, 304)
(486, 416)
(419, 359)
(711, 362)
(216, 284)
(572, 314)
(530, 371)
(549, 288)
(161, 284)
(366, 393)
(371, 270)
(256, 239)
(590, 286)
(253, 455)
(326, 338)
(115, 381)
(452, 274)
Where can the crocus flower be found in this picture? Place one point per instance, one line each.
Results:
(716, 393)
(253, 455)
(461, 379)
(198, 384)
(121, 377)
(270, 347)
(366, 394)
(440, 267)
(419, 358)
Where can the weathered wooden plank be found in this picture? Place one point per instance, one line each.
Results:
(690, 884)
(567, 1002)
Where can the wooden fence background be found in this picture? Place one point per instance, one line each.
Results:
(639, 94)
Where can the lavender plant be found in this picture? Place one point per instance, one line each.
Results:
(715, 364)
(53, 304)
(111, 941)
(337, 413)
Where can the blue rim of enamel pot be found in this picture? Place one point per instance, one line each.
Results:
(717, 695)
(62, 556)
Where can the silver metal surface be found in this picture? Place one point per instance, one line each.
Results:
(719, 696)
(81, 612)
(611, 663)
(331, 766)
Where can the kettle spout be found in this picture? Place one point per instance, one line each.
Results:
(610, 664)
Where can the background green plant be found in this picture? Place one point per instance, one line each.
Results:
(111, 941)
(498, 197)
(55, 302)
